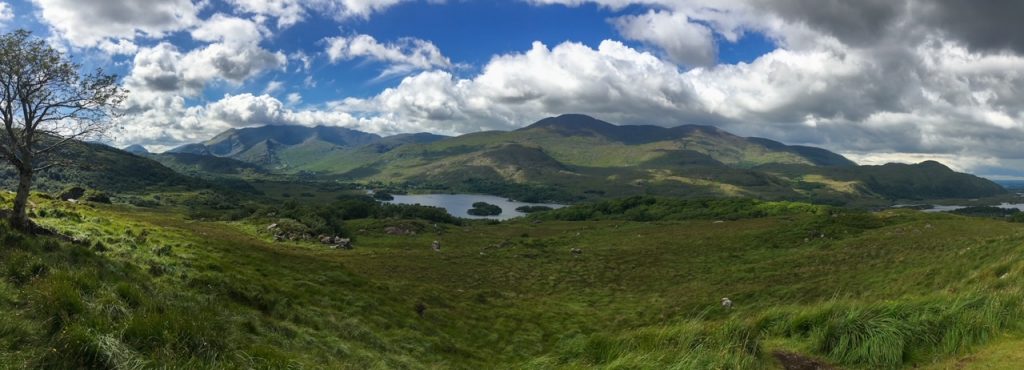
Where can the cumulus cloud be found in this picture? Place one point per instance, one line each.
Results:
(287, 12)
(352, 8)
(164, 69)
(87, 23)
(291, 12)
(229, 29)
(404, 56)
(685, 42)
(6, 13)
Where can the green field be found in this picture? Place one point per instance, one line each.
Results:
(147, 287)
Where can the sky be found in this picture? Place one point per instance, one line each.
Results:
(875, 80)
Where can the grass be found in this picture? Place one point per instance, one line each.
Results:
(151, 288)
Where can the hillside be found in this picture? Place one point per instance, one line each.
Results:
(202, 165)
(105, 168)
(147, 288)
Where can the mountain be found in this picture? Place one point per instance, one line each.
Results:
(277, 146)
(105, 168)
(136, 149)
(202, 165)
(574, 156)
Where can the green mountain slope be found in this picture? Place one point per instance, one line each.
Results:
(104, 168)
(280, 147)
(573, 156)
(583, 157)
(198, 164)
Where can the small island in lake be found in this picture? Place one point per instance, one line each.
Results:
(532, 209)
(484, 209)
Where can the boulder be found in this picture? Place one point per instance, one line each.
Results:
(436, 246)
(393, 230)
(74, 192)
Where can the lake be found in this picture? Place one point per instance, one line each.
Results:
(458, 204)
(938, 208)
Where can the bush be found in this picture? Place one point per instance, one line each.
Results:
(645, 208)
(72, 192)
(96, 196)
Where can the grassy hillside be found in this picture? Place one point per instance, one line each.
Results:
(105, 168)
(149, 288)
(201, 165)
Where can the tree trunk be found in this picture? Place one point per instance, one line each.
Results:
(19, 215)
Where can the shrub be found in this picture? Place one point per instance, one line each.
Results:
(96, 196)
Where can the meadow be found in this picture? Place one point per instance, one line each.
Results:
(127, 287)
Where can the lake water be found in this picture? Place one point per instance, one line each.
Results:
(938, 208)
(459, 204)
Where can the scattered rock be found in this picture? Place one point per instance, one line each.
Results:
(341, 243)
(727, 303)
(436, 246)
(394, 230)
(271, 227)
(795, 361)
(576, 252)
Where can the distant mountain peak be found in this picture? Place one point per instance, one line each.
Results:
(571, 122)
(136, 149)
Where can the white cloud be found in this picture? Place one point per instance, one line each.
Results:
(305, 60)
(118, 47)
(287, 12)
(273, 87)
(685, 42)
(291, 12)
(6, 12)
(164, 69)
(294, 98)
(342, 9)
(228, 29)
(87, 23)
(404, 56)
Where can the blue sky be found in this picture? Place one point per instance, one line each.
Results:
(876, 80)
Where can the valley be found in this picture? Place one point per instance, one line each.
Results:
(223, 294)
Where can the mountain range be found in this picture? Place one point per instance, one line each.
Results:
(573, 157)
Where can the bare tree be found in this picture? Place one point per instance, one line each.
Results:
(47, 104)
